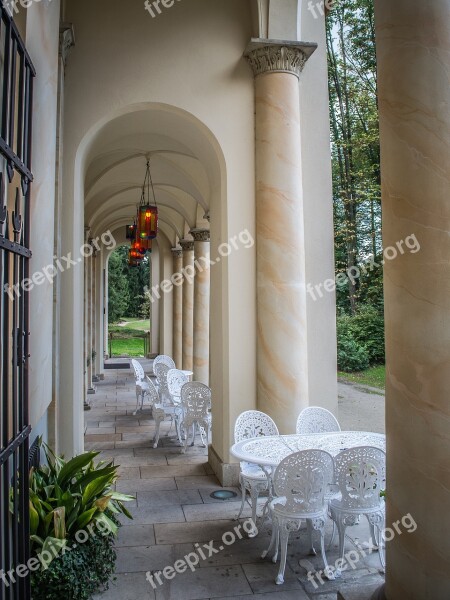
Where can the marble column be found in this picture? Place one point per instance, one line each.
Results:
(201, 304)
(414, 99)
(188, 303)
(282, 366)
(90, 325)
(177, 327)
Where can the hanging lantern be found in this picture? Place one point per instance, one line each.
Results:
(148, 222)
(131, 232)
(147, 213)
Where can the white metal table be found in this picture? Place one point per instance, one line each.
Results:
(269, 451)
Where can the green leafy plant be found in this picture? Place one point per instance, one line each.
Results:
(66, 496)
(78, 574)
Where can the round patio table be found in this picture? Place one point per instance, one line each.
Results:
(269, 451)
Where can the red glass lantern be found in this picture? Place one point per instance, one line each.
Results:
(148, 222)
(131, 232)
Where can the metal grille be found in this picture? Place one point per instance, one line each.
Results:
(16, 90)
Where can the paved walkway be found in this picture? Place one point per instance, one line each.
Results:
(174, 516)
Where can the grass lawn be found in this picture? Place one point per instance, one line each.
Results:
(128, 347)
(375, 377)
(137, 324)
(128, 340)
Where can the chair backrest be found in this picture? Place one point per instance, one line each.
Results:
(304, 478)
(361, 476)
(161, 371)
(253, 423)
(175, 381)
(164, 359)
(315, 419)
(195, 400)
(138, 370)
(152, 392)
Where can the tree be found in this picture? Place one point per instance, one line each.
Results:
(354, 138)
(127, 285)
(118, 294)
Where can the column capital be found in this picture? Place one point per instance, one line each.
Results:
(278, 56)
(187, 245)
(177, 252)
(201, 235)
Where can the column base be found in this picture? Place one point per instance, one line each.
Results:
(91, 391)
(95, 379)
(86, 405)
(226, 473)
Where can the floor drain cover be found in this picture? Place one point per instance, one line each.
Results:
(223, 495)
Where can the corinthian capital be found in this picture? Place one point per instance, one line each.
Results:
(187, 245)
(274, 56)
(200, 235)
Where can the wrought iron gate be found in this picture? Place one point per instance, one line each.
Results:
(16, 85)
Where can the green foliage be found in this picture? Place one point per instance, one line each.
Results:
(352, 356)
(78, 573)
(368, 330)
(66, 496)
(360, 339)
(118, 294)
(127, 285)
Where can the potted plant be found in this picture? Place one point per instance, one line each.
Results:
(73, 523)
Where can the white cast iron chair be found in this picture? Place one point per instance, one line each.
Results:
(361, 477)
(196, 407)
(142, 386)
(161, 370)
(166, 407)
(252, 424)
(301, 481)
(175, 381)
(165, 360)
(315, 419)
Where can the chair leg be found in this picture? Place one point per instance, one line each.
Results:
(273, 540)
(341, 527)
(243, 493)
(328, 572)
(284, 539)
(137, 402)
(156, 438)
(254, 495)
(312, 550)
(333, 535)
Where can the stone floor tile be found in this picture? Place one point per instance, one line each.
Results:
(213, 512)
(128, 587)
(173, 533)
(150, 558)
(142, 461)
(136, 535)
(277, 595)
(197, 482)
(103, 437)
(153, 499)
(261, 577)
(159, 514)
(173, 471)
(146, 485)
(128, 473)
(204, 584)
